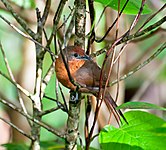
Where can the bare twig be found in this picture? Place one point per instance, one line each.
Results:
(151, 17)
(17, 128)
(55, 23)
(27, 36)
(109, 29)
(42, 124)
(13, 79)
(147, 61)
(48, 111)
(24, 91)
(121, 40)
(19, 19)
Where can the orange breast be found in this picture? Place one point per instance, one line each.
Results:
(62, 74)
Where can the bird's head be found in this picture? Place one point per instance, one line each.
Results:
(75, 58)
(75, 53)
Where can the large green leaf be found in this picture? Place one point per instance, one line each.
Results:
(132, 7)
(144, 131)
(140, 105)
(16, 146)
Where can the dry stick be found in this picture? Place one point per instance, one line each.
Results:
(13, 79)
(116, 114)
(17, 128)
(147, 61)
(22, 23)
(42, 124)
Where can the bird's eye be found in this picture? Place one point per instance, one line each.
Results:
(76, 55)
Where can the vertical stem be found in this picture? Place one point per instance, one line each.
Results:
(80, 18)
(73, 121)
(37, 104)
(74, 103)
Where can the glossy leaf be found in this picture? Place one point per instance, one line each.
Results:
(143, 131)
(140, 105)
(132, 7)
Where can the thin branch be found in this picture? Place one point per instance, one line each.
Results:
(143, 32)
(27, 36)
(47, 76)
(46, 12)
(63, 97)
(13, 79)
(17, 128)
(147, 61)
(55, 22)
(19, 87)
(151, 17)
(92, 19)
(109, 29)
(42, 124)
(48, 111)
(132, 36)
(18, 18)
(59, 104)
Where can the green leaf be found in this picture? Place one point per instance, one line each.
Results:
(140, 105)
(132, 7)
(15, 146)
(144, 131)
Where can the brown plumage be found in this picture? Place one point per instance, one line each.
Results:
(85, 72)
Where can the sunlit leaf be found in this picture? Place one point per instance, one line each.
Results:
(132, 7)
(144, 131)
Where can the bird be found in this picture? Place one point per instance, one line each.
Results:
(85, 72)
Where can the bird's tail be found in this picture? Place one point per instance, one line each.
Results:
(111, 105)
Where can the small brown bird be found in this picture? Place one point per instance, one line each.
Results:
(85, 72)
